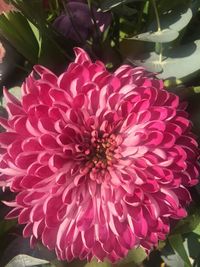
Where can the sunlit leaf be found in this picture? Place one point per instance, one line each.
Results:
(177, 63)
(27, 261)
(16, 91)
(150, 61)
(176, 19)
(196, 89)
(176, 243)
(164, 36)
(181, 61)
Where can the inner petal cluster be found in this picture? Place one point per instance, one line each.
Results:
(101, 153)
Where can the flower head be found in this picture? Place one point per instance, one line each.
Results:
(99, 162)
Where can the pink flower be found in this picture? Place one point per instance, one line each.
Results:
(99, 162)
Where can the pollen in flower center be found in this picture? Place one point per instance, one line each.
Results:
(101, 153)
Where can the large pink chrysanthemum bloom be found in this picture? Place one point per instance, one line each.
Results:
(99, 162)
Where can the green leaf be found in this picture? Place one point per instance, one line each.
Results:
(197, 230)
(149, 61)
(135, 256)
(33, 10)
(177, 63)
(36, 32)
(192, 245)
(47, 44)
(98, 264)
(109, 4)
(16, 29)
(184, 18)
(196, 89)
(176, 243)
(182, 61)
(74, 263)
(174, 19)
(189, 224)
(27, 261)
(170, 257)
(164, 36)
(16, 91)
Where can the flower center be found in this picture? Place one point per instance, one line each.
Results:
(101, 153)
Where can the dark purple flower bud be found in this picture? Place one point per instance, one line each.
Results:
(77, 22)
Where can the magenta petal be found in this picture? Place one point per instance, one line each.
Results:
(24, 216)
(141, 228)
(14, 213)
(38, 228)
(14, 109)
(99, 251)
(127, 239)
(4, 123)
(8, 138)
(77, 246)
(81, 55)
(49, 237)
(25, 160)
(69, 256)
(37, 213)
(88, 237)
(27, 232)
(47, 141)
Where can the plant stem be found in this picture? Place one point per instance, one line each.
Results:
(157, 16)
(159, 46)
(93, 18)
